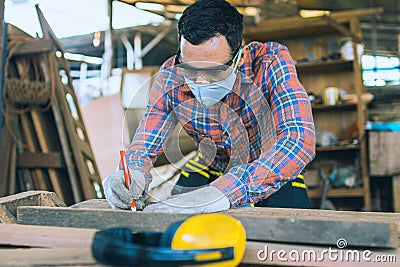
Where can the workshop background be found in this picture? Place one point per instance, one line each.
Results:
(75, 77)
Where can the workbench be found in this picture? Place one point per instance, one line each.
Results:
(37, 229)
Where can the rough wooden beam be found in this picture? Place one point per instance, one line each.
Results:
(45, 236)
(312, 214)
(34, 46)
(9, 204)
(92, 204)
(258, 227)
(50, 199)
(41, 160)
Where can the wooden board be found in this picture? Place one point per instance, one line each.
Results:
(313, 214)
(47, 257)
(259, 226)
(45, 236)
(254, 255)
(29, 198)
(58, 246)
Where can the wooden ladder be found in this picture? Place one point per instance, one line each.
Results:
(50, 149)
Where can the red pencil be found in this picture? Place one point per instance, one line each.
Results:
(127, 176)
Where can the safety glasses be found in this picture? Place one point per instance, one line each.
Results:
(215, 73)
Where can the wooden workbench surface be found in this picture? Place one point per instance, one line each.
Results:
(55, 235)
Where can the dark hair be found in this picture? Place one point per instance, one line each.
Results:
(206, 19)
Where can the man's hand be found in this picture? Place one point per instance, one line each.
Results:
(204, 200)
(117, 195)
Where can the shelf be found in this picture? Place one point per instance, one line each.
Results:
(344, 106)
(337, 148)
(297, 27)
(336, 192)
(326, 65)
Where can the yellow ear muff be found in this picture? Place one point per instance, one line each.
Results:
(211, 231)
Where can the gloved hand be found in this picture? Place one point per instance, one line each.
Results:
(204, 200)
(117, 195)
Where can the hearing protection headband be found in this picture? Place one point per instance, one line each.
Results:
(119, 246)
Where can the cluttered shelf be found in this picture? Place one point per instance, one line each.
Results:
(341, 106)
(298, 27)
(324, 65)
(337, 192)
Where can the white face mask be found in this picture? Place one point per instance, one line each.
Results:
(212, 93)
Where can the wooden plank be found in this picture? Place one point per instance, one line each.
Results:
(331, 215)
(92, 204)
(7, 140)
(40, 160)
(30, 198)
(12, 175)
(50, 199)
(313, 214)
(47, 257)
(258, 227)
(254, 255)
(59, 186)
(34, 46)
(70, 241)
(361, 115)
(45, 236)
(40, 181)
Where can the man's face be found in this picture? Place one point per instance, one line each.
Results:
(209, 54)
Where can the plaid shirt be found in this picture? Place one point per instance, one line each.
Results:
(261, 134)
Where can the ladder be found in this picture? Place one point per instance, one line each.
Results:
(49, 149)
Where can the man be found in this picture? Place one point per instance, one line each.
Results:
(220, 92)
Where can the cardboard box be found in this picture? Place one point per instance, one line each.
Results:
(384, 153)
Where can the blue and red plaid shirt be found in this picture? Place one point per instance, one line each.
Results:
(261, 135)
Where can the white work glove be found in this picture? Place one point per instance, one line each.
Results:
(117, 195)
(204, 200)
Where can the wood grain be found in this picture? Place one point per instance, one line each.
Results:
(45, 236)
(9, 204)
(259, 226)
(58, 246)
